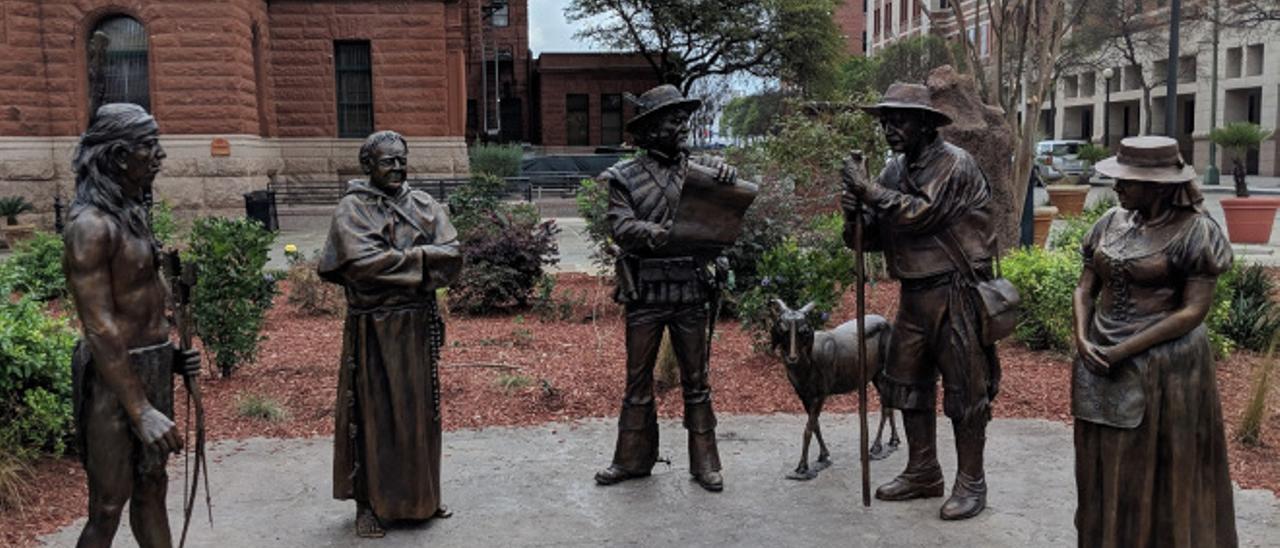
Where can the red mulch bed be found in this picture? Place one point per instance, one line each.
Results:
(575, 371)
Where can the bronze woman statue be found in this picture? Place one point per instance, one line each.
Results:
(1151, 455)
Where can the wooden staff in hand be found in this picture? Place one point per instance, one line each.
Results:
(855, 169)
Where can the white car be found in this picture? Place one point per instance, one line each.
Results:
(1057, 158)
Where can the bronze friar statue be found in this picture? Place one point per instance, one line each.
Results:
(670, 216)
(391, 247)
(930, 211)
(1151, 455)
(123, 368)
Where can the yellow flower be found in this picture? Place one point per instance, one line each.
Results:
(290, 248)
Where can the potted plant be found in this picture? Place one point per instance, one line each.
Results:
(1044, 215)
(1069, 192)
(10, 208)
(1249, 219)
(1090, 154)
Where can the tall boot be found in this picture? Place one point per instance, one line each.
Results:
(969, 495)
(923, 476)
(637, 448)
(704, 457)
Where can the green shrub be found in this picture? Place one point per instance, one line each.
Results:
(35, 377)
(232, 294)
(1253, 319)
(1069, 236)
(593, 203)
(769, 220)
(497, 160)
(472, 204)
(163, 225)
(1046, 280)
(811, 266)
(35, 268)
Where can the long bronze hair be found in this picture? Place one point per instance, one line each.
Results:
(97, 175)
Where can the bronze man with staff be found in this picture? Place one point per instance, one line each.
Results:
(123, 368)
(930, 211)
(666, 280)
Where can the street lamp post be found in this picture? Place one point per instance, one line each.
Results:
(1211, 172)
(1107, 73)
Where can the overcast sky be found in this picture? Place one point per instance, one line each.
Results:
(549, 30)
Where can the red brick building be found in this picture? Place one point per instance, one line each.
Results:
(497, 92)
(851, 18)
(292, 86)
(579, 96)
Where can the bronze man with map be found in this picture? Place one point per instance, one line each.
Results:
(671, 216)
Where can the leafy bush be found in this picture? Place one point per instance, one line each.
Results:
(1253, 319)
(470, 205)
(35, 377)
(35, 268)
(769, 220)
(593, 202)
(312, 295)
(1092, 153)
(551, 308)
(496, 160)
(232, 295)
(504, 258)
(1070, 236)
(811, 266)
(1046, 280)
(163, 225)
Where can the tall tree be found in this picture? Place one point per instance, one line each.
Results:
(1122, 31)
(688, 40)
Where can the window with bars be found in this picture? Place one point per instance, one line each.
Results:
(577, 119)
(118, 63)
(610, 119)
(501, 16)
(354, 72)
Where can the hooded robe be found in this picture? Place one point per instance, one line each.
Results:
(390, 253)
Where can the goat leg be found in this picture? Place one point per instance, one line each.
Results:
(802, 471)
(878, 450)
(824, 456)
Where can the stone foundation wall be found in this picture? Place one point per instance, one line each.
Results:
(38, 168)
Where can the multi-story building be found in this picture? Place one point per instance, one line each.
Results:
(851, 19)
(244, 90)
(498, 70)
(1248, 85)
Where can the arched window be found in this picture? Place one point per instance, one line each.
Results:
(118, 63)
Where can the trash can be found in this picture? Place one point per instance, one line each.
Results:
(260, 205)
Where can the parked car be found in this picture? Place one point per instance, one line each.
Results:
(1057, 158)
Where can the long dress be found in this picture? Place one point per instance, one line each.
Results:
(386, 250)
(1151, 454)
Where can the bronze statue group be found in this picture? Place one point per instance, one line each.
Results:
(1150, 451)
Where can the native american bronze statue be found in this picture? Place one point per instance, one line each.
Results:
(930, 211)
(671, 216)
(124, 365)
(1151, 455)
(391, 247)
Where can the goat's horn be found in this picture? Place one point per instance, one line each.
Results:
(781, 305)
(808, 307)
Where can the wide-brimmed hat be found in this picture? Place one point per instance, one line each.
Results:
(908, 97)
(1150, 158)
(658, 100)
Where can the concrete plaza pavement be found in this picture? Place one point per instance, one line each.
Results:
(533, 486)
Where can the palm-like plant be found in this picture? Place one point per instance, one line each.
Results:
(1091, 154)
(12, 206)
(1239, 138)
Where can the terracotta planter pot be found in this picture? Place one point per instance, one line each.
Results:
(1249, 220)
(1043, 221)
(17, 233)
(1069, 199)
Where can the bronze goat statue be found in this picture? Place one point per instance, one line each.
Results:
(825, 363)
